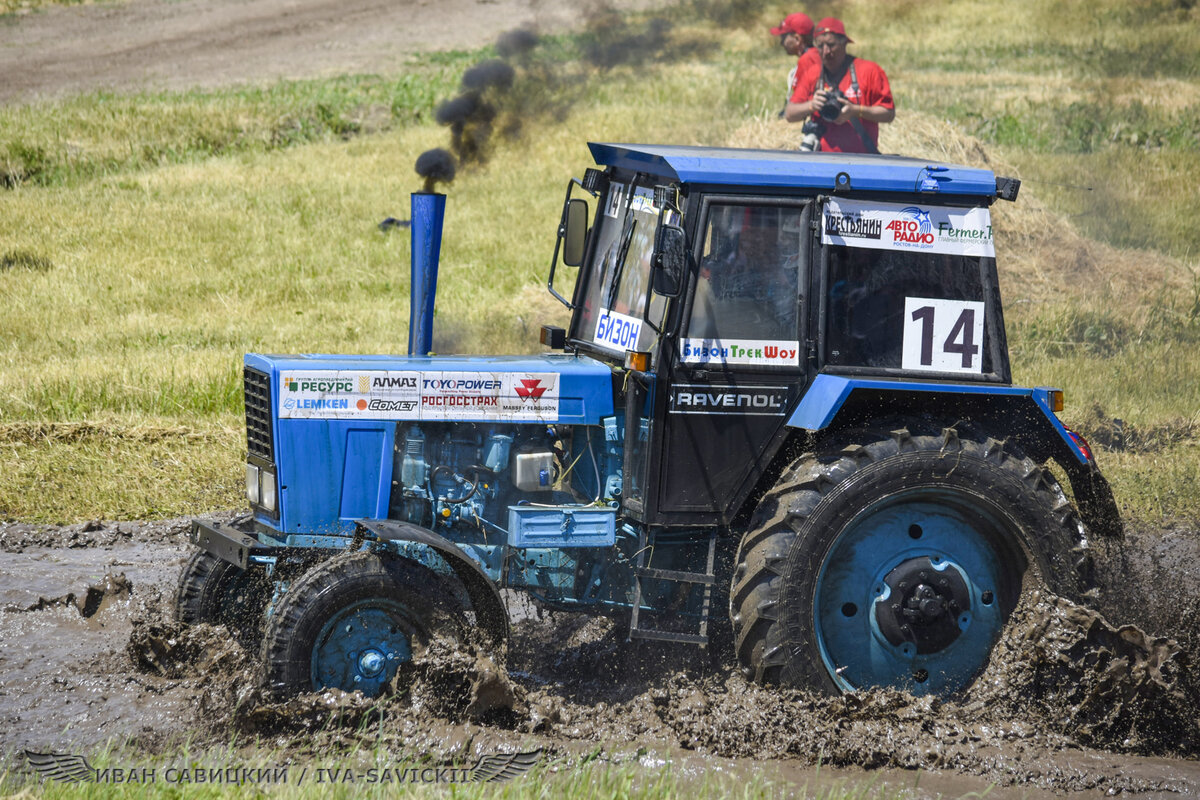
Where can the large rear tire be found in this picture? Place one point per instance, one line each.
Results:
(351, 621)
(895, 560)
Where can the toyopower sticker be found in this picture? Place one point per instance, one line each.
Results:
(415, 395)
(943, 335)
(893, 226)
(617, 331)
(756, 352)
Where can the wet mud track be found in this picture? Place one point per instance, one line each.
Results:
(1087, 702)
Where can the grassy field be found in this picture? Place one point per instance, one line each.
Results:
(148, 240)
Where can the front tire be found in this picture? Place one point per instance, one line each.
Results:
(351, 621)
(211, 590)
(896, 559)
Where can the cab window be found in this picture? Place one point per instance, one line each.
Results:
(906, 310)
(748, 288)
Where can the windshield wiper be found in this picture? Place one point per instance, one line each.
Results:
(620, 270)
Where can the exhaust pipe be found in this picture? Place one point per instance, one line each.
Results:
(428, 212)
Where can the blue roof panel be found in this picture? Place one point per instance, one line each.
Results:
(724, 166)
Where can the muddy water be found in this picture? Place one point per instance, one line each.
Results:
(1076, 700)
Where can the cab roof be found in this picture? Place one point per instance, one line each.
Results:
(724, 166)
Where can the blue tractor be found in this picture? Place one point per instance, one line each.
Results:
(780, 424)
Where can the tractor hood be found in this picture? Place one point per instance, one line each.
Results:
(550, 388)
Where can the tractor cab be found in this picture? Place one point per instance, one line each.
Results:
(728, 280)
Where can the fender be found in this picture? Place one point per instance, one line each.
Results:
(835, 401)
(490, 612)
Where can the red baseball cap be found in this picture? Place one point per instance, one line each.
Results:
(799, 24)
(832, 25)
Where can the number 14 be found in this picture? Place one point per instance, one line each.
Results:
(943, 335)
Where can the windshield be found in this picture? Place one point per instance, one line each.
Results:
(613, 314)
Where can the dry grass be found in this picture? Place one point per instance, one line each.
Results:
(1044, 257)
(161, 273)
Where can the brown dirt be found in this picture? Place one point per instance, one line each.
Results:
(1072, 703)
(153, 44)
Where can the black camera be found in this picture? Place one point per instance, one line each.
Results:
(832, 107)
(814, 128)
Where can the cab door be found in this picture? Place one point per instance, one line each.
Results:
(739, 363)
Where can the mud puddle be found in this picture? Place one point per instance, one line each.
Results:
(1072, 703)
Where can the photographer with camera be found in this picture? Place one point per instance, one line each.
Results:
(843, 102)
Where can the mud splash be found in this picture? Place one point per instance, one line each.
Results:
(97, 596)
(1063, 679)
(1071, 702)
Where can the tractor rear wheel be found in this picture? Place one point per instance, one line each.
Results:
(895, 560)
(351, 621)
(214, 591)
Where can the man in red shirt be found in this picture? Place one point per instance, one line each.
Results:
(796, 35)
(868, 96)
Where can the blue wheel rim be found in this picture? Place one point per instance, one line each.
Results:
(931, 524)
(362, 646)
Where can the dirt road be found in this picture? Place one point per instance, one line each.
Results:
(177, 45)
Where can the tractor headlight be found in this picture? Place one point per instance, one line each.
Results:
(252, 492)
(268, 490)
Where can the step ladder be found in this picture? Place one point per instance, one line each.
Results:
(639, 628)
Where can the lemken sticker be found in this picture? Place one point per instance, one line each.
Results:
(755, 352)
(617, 332)
(895, 226)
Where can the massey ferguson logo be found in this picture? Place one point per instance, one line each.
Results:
(530, 389)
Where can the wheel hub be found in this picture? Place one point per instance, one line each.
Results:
(926, 605)
(371, 663)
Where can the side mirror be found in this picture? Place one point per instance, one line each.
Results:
(575, 232)
(670, 260)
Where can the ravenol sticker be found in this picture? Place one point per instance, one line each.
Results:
(892, 226)
(617, 332)
(751, 401)
(755, 352)
(417, 395)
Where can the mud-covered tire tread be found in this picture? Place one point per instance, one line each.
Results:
(771, 550)
(202, 590)
(335, 583)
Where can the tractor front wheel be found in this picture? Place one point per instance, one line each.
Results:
(214, 591)
(895, 560)
(350, 622)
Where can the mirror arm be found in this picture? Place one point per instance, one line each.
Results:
(558, 244)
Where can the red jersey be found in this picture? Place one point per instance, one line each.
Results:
(873, 90)
(809, 59)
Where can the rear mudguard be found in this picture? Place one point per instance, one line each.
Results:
(836, 401)
(490, 613)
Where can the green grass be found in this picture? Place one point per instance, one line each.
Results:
(148, 240)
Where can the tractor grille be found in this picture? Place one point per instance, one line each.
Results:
(259, 441)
